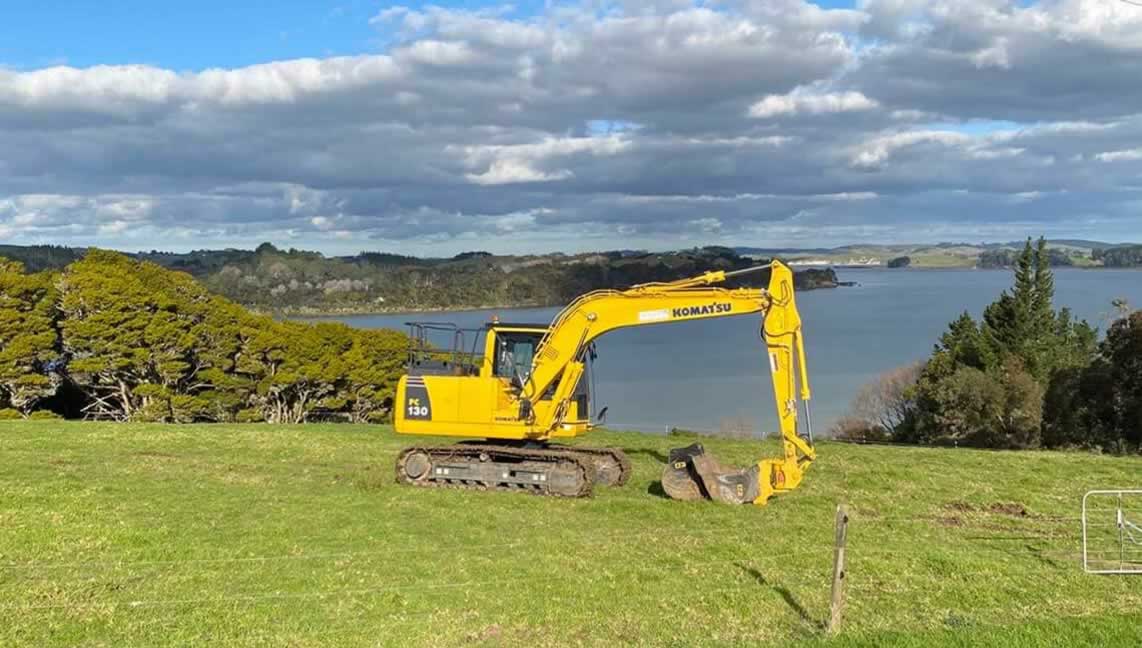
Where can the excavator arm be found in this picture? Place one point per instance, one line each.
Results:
(781, 330)
(691, 473)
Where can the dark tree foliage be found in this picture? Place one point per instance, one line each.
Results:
(1059, 258)
(1000, 408)
(985, 382)
(1007, 258)
(900, 262)
(1122, 354)
(1100, 406)
(998, 258)
(1122, 256)
(136, 341)
(37, 258)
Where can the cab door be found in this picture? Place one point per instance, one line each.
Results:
(513, 353)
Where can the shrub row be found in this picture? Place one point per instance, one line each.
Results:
(111, 337)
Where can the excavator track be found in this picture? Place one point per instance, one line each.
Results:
(471, 466)
(612, 467)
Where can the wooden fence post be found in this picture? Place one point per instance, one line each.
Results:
(838, 603)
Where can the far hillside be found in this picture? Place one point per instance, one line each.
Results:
(307, 282)
(1063, 253)
(300, 281)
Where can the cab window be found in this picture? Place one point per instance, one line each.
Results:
(514, 354)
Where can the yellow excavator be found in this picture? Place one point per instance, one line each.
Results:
(521, 388)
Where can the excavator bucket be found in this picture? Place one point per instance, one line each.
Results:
(693, 474)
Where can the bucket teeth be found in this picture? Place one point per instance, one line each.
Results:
(679, 480)
(691, 473)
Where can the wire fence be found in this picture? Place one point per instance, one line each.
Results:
(727, 429)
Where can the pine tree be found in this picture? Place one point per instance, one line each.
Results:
(1043, 285)
(1008, 322)
(1023, 323)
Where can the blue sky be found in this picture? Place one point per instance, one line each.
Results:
(182, 35)
(195, 35)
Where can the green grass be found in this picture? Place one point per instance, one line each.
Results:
(147, 534)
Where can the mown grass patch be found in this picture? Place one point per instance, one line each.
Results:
(151, 534)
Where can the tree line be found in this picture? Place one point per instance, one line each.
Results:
(118, 338)
(299, 281)
(1119, 256)
(1026, 375)
(1007, 258)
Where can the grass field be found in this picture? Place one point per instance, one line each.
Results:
(238, 535)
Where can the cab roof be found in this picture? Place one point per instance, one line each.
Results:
(517, 325)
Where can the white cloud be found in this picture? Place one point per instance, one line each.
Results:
(517, 163)
(849, 196)
(435, 52)
(814, 104)
(515, 171)
(114, 227)
(995, 55)
(878, 150)
(1127, 155)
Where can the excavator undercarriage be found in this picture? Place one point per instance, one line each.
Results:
(542, 469)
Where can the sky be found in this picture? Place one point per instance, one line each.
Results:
(568, 126)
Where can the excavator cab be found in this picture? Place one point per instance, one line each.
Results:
(472, 382)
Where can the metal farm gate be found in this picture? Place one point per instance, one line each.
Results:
(1112, 532)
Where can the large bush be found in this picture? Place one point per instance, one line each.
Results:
(1000, 408)
(139, 342)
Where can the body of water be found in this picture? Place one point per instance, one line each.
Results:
(705, 375)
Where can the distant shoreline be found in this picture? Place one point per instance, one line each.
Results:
(964, 268)
(312, 314)
(332, 314)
